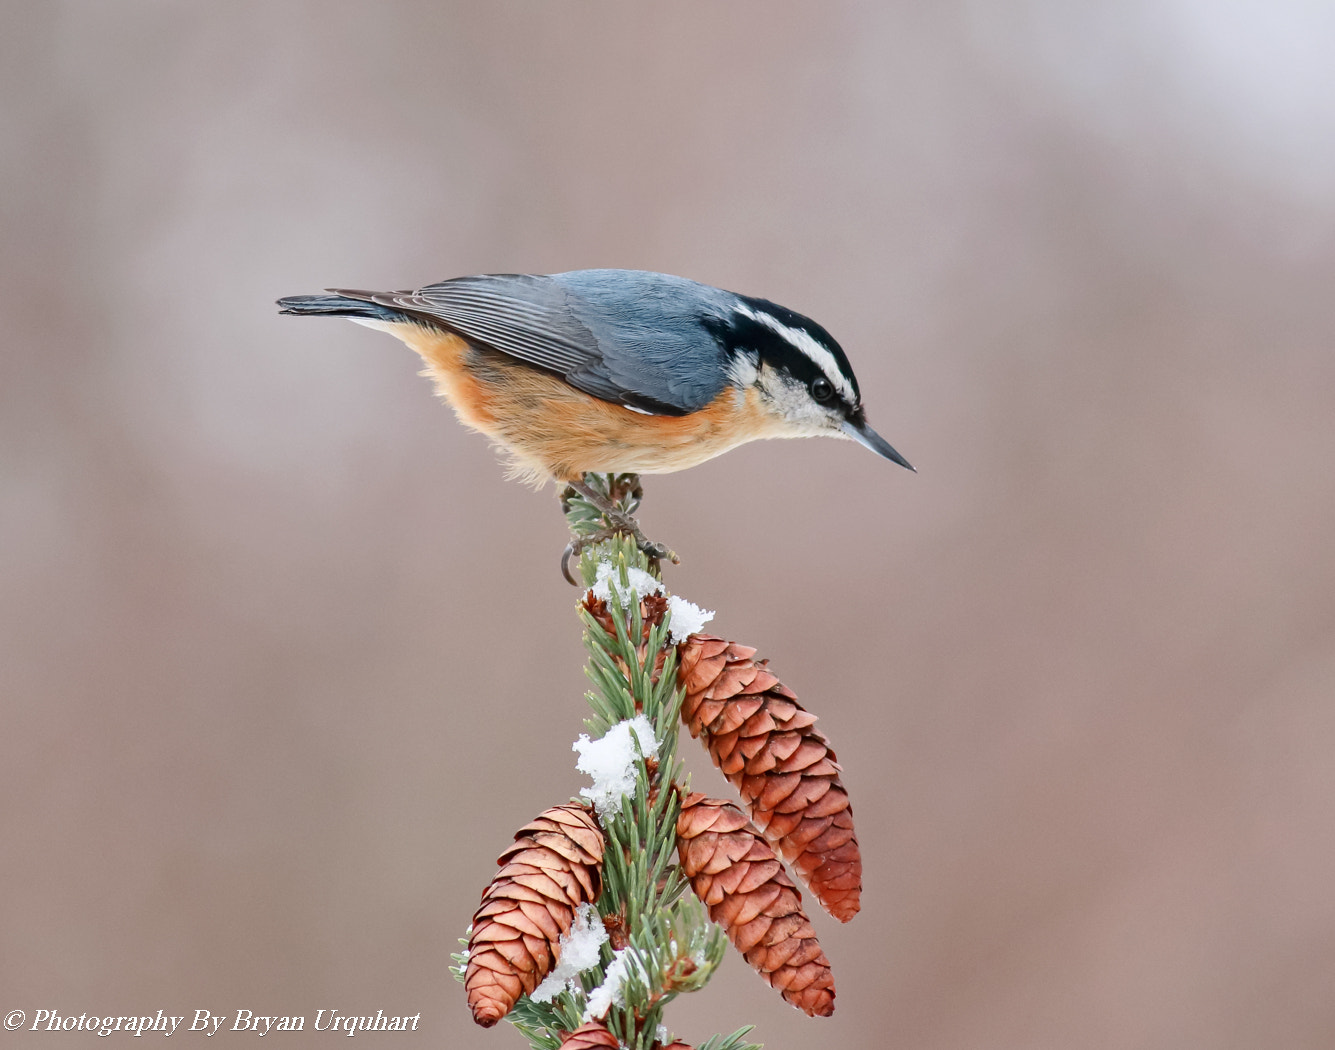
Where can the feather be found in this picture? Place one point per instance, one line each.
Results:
(625, 336)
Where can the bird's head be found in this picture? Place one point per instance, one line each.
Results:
(802, 376)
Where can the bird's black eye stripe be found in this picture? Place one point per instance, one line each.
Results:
(821, 389)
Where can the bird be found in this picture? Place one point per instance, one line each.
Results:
(615, 371)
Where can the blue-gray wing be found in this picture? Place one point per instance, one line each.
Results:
(624, 336)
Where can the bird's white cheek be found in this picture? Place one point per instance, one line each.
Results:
(792, 408)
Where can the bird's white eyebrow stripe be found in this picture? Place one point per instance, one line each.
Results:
(804, 343)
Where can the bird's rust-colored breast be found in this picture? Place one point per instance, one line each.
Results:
(552, 429)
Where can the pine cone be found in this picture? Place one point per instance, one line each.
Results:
(590, 1036)
(554, 866)
(765, 743)
(734, 871)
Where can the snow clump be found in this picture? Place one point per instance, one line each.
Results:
(612, 761)
(612, 992)
(608, 576)
(578, 952)
(687, 619)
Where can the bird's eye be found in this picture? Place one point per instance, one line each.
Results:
(821, 389)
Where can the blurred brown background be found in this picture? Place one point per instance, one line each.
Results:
(285, 660)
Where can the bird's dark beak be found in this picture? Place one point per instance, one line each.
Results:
(860, 432)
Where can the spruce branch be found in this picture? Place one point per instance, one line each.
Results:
(632, 930)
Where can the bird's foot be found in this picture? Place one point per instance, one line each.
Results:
(624, 489)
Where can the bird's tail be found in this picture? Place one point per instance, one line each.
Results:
(340, 306)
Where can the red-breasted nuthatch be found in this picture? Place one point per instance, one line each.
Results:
(612, 371)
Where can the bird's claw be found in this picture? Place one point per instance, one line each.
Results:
(655, 552)
(618, 522)
(566, 555)
(658, 552)
(576, 547)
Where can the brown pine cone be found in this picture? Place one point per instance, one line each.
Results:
(590, 1036)
(554, 866)
(767, 745)
(734, 871)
